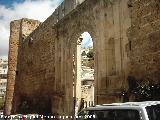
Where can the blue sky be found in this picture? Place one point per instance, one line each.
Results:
(9, 3)
(34, 9)
(16, 9)
(87, 40)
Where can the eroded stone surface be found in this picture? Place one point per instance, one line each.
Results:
(124, 42)
(144, 37)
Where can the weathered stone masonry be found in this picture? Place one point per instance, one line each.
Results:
(41, 74)
(45, 58)
(144, 37)
(15, 42)
(15, 26)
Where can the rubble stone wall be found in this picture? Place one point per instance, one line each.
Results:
(125, 39)
(13, 51)
(144, 40)
(16, 37)
(45, 65)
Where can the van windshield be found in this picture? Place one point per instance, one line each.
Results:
(109, 114)
(153, 112)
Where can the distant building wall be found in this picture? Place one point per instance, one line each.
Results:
(3, 84)
(3, 67)
(3, 77)
(87, 91)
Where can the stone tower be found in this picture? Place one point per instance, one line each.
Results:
(19, 30)
(13, 53)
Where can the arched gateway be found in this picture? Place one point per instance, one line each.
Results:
(40, 77)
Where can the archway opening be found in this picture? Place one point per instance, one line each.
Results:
(83, 85)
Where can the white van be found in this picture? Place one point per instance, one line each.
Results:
(148, 110)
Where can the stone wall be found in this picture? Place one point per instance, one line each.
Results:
(13, 50)
(144, 40)
(65, 8)
(35, 68)
(45, 64)
(14, 44)
(111, 57)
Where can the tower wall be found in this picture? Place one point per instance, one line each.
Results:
(12, 63)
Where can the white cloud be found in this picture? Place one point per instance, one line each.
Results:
(87, 40)
(37, 9)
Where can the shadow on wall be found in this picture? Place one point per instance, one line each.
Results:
(38, 105)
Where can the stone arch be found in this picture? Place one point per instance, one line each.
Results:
(90, 28)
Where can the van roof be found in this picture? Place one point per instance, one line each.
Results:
(126, 105)
(144, 103)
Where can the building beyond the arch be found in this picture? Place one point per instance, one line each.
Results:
(126, 43)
